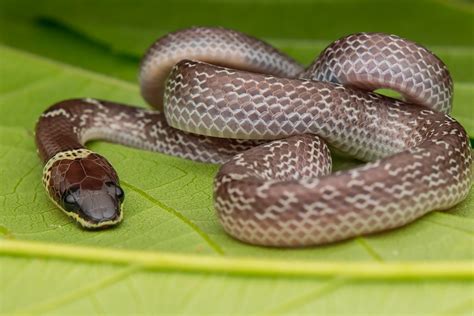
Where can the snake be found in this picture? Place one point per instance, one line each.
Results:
(221, 96)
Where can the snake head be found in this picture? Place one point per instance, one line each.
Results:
(85, 187)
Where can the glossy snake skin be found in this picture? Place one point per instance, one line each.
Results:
(221, 96)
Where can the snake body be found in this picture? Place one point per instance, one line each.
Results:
(224, 97)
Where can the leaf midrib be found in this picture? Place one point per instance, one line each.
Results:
(241, 265)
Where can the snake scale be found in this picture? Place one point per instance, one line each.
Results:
(224, 97)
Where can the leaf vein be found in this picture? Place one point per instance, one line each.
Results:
(81, 292)
(312, 296)
(450, 226)
(218, 249)
(369, 249)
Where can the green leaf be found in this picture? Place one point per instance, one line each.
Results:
(170, 255)
(171, 211)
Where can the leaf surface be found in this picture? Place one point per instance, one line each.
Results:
(168, 208)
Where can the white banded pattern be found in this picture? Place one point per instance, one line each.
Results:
(281, 193)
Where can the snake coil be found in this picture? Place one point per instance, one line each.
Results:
(225, 97)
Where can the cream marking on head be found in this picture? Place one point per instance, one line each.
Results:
(68, 155)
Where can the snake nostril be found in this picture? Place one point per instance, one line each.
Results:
(101, 213)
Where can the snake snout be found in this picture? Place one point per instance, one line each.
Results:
(96, 208)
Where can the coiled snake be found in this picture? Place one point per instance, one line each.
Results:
(220, 95)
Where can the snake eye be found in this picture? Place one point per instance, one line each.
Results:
(115, 189)
(119, 193)
(69, 202)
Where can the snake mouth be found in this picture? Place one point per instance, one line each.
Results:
(89, 222)
(97, 224)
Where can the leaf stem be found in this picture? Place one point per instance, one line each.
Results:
(241, 265)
